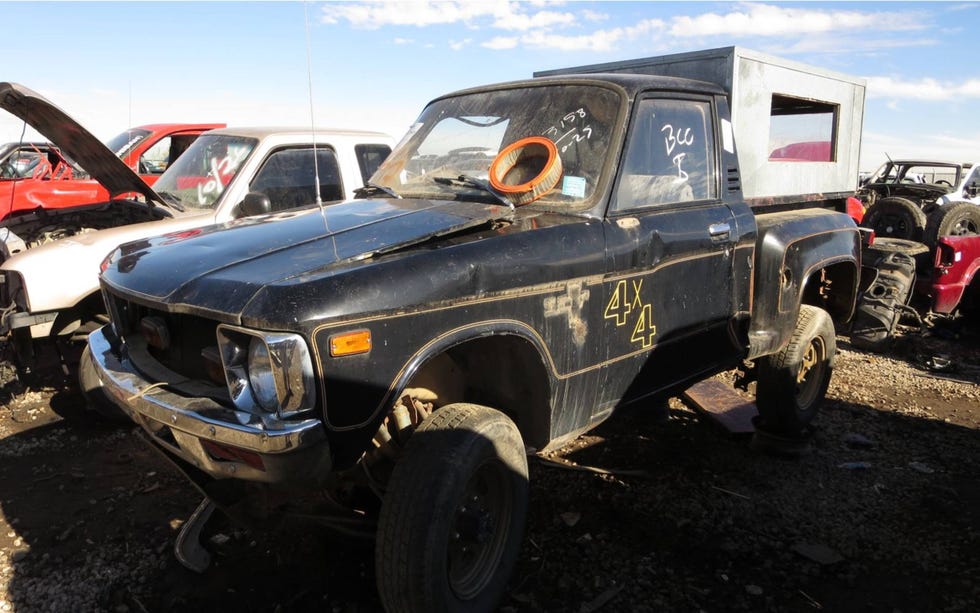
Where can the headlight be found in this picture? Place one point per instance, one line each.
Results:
(260, 375)
(267, 372)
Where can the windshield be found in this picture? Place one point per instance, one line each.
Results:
(462, 135)
(122, 144)
(941, 174)
(200, 175)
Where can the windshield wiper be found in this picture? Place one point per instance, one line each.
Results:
(171, 201)
(470, 181)
(372, 189)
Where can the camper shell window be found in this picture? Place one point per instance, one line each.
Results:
(802, 130)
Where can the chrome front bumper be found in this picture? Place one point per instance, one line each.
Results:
(199, 430)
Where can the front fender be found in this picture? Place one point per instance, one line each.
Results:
(359, 397)
(795, 249)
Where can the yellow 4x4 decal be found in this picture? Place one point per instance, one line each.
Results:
(622, 305)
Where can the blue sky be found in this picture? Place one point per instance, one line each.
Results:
(374, 65)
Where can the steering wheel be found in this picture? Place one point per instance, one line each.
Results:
(944, 182)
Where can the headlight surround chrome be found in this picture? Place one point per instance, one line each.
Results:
(267, 372)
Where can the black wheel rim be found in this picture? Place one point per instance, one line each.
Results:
(894, 225)
(811, 373)
(481, 528)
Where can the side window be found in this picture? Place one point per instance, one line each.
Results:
(369, 157)
(670, 155)
(155, 159)
(288, 177)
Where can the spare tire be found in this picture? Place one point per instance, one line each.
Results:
(896, 217)
(954, 219)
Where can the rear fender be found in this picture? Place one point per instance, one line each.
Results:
(810, 256)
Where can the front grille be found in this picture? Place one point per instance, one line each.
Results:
(189, 336)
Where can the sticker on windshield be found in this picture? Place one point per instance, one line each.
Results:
(573, 186)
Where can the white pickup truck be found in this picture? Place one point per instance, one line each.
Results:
(49, 290)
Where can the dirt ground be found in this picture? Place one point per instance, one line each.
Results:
(878, 512)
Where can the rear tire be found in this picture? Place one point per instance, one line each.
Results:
(793, 382)
(896, 217)
(452, 520)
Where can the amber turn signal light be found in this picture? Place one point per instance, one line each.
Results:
(350, 343)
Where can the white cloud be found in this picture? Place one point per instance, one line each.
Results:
(923, 89)
(877, 147)
(768, 20)
(499, 43)
(566, 26)
(403, 41)
(600, 40)
(499, 14)
(457, 45)
(603, 40)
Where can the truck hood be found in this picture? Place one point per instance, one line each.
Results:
(220, 268)
(78, 143)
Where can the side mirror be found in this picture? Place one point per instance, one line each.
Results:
(255, 203)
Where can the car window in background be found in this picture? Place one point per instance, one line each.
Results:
(123, 143)
(369, 157)
(156, 159)
(288, 177)
(197, 179)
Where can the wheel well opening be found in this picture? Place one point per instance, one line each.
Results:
(504, 372)
(834, 289)
(85, 316)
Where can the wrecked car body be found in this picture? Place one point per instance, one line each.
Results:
(50, 175)
(49, 274)
(922, 200)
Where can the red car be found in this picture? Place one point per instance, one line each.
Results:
(39, 175)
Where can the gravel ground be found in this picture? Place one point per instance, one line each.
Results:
(880, 511)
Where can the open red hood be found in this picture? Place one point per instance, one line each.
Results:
(78, 143)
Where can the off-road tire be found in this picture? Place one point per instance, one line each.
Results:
(896, 217)
(954, 219)
(793, 382)
(452, 519)
(95, 397)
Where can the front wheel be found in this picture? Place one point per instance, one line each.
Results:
(793, 382)
(452, 520)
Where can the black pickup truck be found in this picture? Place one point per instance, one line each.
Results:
(532, 256)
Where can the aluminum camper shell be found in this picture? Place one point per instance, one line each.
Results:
(770, 96)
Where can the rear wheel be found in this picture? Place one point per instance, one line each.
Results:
(793, 382)
(896, 218)
(452, 520)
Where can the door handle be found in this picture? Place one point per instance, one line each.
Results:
(719, 230)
